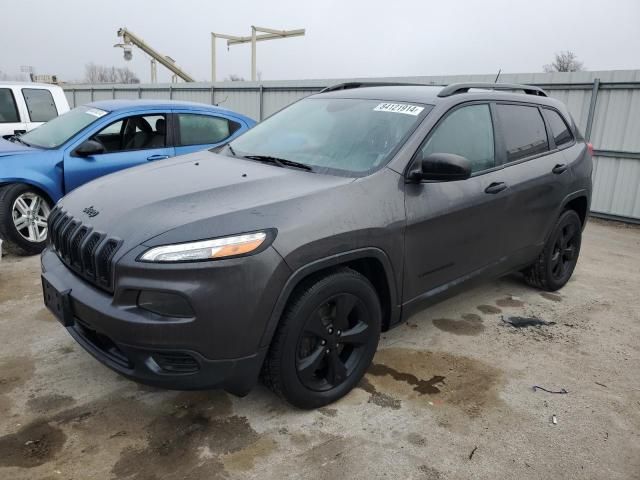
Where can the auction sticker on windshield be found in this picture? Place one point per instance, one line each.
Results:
(96, 112)
(399, 108)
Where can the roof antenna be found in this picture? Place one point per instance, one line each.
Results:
(497, 76)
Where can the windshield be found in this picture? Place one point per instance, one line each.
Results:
(57, 131)
(342, 136)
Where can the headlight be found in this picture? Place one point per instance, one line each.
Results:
(206, 249)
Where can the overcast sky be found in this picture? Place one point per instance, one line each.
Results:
(346, 38)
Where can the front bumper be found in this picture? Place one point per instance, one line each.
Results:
(219, 347)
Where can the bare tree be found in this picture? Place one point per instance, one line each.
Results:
(103, 74)
(566, 61)
(235, 78)
(124, 75)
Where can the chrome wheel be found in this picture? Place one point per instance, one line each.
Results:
(30, 212)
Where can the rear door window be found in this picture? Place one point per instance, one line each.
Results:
(559, 130)
(467, 131)
(40, 104)
(8, 108)
(523, 131)
(204, 129)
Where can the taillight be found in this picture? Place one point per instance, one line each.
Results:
(590, 148)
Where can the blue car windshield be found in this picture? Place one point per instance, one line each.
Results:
(57, 131)
(339, 136)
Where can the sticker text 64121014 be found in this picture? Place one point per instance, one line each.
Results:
(399, 108)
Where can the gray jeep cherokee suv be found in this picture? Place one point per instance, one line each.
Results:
(290, 249)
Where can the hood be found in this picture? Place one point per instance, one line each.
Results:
(13, 148)
(193, 197)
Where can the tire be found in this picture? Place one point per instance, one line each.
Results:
(555, 265)
(23, 205)
(303, 370)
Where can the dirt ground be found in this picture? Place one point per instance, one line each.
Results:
(449, 395)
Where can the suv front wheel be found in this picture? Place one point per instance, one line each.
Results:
(326, 339)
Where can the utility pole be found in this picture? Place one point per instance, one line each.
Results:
(267, 34)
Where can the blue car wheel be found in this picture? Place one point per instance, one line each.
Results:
(23, 217)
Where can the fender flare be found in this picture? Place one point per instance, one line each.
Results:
(53, 196)
(563, 206)
(327, 262)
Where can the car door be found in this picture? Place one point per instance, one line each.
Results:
(454, 229)
(199, 130)
(10, 118)
(40, 106)
(128, 140)
(536, 172)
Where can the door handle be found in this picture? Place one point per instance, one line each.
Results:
(495, 187)
(559, 168)
(157, 157)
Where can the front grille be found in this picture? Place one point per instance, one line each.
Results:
(85, 251)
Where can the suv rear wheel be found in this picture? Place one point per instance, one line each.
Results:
(23, 217)
(326, 339)
(556, 263)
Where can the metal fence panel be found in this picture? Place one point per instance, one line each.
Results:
(614, 125)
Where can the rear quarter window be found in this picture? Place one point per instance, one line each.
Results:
(8, 108)
(40, 104)
(559, 129)
(523, 131)
(204, 129)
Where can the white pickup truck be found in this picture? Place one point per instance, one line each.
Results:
(24, 106)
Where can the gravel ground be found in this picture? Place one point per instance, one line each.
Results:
(449, 395)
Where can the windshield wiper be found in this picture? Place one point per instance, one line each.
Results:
(17, 137)
(281, 162)
(219, 148)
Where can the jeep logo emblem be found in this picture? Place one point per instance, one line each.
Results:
(92, 212)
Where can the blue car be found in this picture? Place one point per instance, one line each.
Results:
(41, 166)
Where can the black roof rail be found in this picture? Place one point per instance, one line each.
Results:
(455, 88)
(350, 85)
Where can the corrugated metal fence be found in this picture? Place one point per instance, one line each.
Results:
(606, 106)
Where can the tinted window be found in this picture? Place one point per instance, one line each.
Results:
(204, 129)
(523, 131)
(467, 131)
(141, 132)
(40, 104)
(8, 109)
(559, 129)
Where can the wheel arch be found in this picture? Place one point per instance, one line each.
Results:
(38, 186)
(371, 262)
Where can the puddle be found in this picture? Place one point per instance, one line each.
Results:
(524, 322)
(471, 324)
(420, 386)
(381, 399)
(49, 403)
(510, 301)
(489, 309)
(438, 378)
(32, 445)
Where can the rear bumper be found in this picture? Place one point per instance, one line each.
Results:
(219, 347)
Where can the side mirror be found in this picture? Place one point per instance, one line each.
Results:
(443, 167)
(88, 148)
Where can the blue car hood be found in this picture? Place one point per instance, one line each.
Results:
(13, 148)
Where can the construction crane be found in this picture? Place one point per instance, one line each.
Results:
(130, 39)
